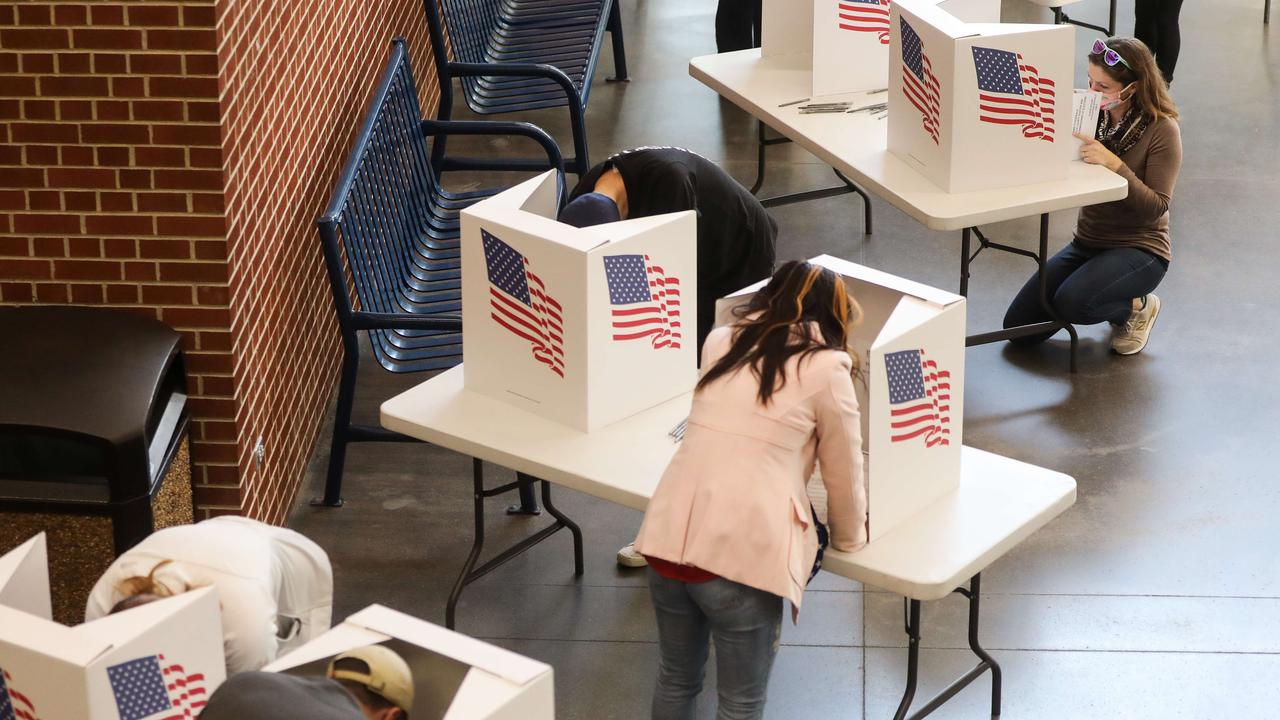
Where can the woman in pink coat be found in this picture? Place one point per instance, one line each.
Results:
(730, 531)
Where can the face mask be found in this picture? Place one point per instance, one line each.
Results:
(1112, 101)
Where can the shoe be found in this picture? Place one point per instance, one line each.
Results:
(629, 558)
(1132, 336)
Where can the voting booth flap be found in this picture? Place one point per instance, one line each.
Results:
(455, 677)
(909, 383)
(583, 326)
(24, 578)
(977, 106)
(156, 661)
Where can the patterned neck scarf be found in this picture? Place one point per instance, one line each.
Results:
(1120, 137)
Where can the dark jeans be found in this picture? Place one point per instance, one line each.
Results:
(1155, 22)
(1086, 287)
(738, 25)
(746, 624)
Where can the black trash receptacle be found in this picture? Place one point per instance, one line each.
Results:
(93, 438)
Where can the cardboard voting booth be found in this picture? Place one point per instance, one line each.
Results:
(581, 326)
(455, 677)
(910, 387)
(159, 661)
(975, 106)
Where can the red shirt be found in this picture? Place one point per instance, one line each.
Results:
(683, 573)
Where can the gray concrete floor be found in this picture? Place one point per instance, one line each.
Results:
(1156, 596)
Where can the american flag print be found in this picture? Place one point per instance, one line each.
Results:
(1011, 92)
(919, 398)
(919, 83)
(152, 688)
(13, 704)
(645, 301)
(518, 301)
(866, 16)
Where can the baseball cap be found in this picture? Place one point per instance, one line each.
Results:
(590, 209)
(388, 674)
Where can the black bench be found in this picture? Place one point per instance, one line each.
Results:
(513, 55)
(390, 242)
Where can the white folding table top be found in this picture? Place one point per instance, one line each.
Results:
(856, 145)
(999, 503)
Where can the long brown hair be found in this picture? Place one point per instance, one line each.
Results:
(778, 323)
(140, 590)
(1151, 94)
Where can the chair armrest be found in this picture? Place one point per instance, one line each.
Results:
(506, 69)
(403, 321)
(555, 160)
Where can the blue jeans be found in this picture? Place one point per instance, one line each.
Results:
(746, 624)
(1086, 287)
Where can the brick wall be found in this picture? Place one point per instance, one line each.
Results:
(169, 157)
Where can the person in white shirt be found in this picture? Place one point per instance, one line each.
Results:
(274, 585)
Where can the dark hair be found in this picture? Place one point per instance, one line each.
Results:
(140, 590)
(777, 324)
(363, 695)
(1152, 93)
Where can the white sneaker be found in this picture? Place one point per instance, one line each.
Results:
(1132, 337)
(629, 558)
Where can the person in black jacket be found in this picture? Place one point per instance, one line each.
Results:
(736, 235)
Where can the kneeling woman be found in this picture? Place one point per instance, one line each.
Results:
(1121, 249)
(730, 531)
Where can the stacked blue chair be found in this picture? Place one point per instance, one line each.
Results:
(513, 55)
(390, 242)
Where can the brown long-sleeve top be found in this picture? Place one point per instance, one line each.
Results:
(1141, 219)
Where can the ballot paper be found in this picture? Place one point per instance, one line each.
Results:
(1085, 106)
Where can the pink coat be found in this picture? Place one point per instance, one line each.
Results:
(733, 499)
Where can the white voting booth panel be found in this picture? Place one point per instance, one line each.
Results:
(581, 326)
(910, 387)
(976, 106)
(157, 661)
(24, 578)
(455, 677)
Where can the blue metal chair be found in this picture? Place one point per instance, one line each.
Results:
(390, 242)
(513, 55)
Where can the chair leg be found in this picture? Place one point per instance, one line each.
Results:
(341, 428)
(619, 47)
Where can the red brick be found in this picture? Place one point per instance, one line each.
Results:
(207, 135)
(183, 87)
(82, 177)
(49, 247)
(87, 294)
(135, 179)
(110, 63)
(142, 271)
(10, 109)
(106, 15)
(47, 133)
(165, 110)
(122, 294)
(34, 15)
(81, 201)
(46, 224)
(13, 200)
(65, 15)
(214, 385)
(37, 63)
(189, 179)
(113, 156)
(204, 64)
(199, 363)
(74, 86)
(86, 270)
(119, 248)
(155, 64)
(130, 87)
(208, 498)
(197, 317)
(83, 247)
(163, 16)
(44, 200)
(193, 272)
(115, 134)
(22, 178)
(111, 110)
(75, 110)
(204, 112)
(49, 293)
(130, 225)
(96, 39)
(17, 86)
(215, 340)
(162, 202)
(198, 16)
(191, 226)
(166, 294)
(207, 203)
(15, 246)
(9, 62)
(16, 292)
(11, 154)
(212, 295)
(76, 155)
(116, 202)
(33, 39)
(161, 157)
(221, 475)
(182, 40)
(165, 249)
(211, 250)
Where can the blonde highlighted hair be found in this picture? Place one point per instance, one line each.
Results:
(1151, 95)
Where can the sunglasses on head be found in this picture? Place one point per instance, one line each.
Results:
(1109, 56)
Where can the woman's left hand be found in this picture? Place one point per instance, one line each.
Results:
(1094, 152)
